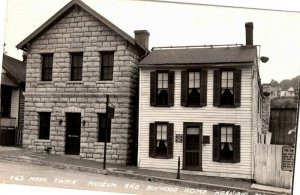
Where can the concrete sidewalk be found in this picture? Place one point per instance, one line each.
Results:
(74, 163)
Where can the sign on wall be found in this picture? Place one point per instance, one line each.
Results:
(287, 158)
(179, 138)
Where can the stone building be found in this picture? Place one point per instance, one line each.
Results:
(74, 60)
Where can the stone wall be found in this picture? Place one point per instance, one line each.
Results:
(78, 31)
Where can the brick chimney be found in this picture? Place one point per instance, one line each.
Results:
(142, 37)
(249, 33)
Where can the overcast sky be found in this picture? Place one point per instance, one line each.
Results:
(278, 32)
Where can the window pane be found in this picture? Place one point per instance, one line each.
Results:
(224, 75)
(192, 131)
(159, 76)
(224, 84)
(229, 138)
(223, 130)
(165, 84)
(197, 83)
(158, 132)
(197, 75)
(164, 132)
(159, 84)
(230, 75)
(229, 130)
(230, 83)
(223, 138)
(166, 76)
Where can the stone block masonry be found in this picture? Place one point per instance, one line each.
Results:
(78, 31)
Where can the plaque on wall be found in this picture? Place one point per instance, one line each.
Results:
(287, 158)
(179, 138)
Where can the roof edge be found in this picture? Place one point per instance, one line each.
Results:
(23, 44)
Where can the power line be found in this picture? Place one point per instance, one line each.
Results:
(216, 5)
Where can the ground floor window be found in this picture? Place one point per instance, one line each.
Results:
(6, 92)
(44, 125)
(102, 128)
(226, 143)
(161, 140)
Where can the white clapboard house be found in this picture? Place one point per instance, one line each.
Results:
(202, 104)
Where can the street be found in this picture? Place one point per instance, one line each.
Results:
(34, 175)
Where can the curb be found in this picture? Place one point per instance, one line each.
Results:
(183, 183)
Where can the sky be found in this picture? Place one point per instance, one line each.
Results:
(171, 24)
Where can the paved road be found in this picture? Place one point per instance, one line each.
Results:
(34, 175)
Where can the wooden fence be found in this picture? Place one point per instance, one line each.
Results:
(267, 166)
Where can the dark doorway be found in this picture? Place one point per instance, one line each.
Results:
(192, 146)
(73, 124)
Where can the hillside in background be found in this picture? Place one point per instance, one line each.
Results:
(286, 83)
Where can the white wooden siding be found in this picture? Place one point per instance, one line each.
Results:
(208, 116)
(14, 113)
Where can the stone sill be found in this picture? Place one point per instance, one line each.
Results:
(74, 82)
(101, 144)
(42, 140)
(105, 82)
(45, 82)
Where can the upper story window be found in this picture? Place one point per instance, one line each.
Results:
(227, 88)
(161, 137)
(107, 65)
(47, 66)
(194, 88)
(226, 142)
(162, 88)
(76, 66)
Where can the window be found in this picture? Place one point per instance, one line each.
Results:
(227, 88)
(226, 143)
(194, 88)
(76, 66)
(44, 125)
(47, 66)
(162, 88)
(102, 127)
(161, 140)
(6, 92)
(107, 65)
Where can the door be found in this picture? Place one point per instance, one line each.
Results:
(73, 124)
(192, 146)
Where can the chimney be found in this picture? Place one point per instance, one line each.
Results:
(142, 37)
(24, 57)
(249, 33)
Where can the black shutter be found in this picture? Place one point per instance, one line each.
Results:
(152, 134)
(237, 143)
(153, 89)
(217, 83)
(171, 88)
(170, 140)
(184, 87)
(216, 143)
(203, 88)
(237, 87)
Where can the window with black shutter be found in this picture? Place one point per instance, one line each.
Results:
(44, 130)
(47, 66)
(161, 137)
(227, 88)
(193, 88)
(162, 88)
(102, 128)
(76, 66)
(107, 65)
(6, 93)
(226, 143)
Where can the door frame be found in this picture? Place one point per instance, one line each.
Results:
(66, 128)
(185, 126)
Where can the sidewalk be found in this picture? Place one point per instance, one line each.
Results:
(74, 163)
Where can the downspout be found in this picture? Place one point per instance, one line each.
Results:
(139, 117)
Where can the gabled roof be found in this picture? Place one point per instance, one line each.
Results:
(208, 55)
(14, 67)
(54, 19)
